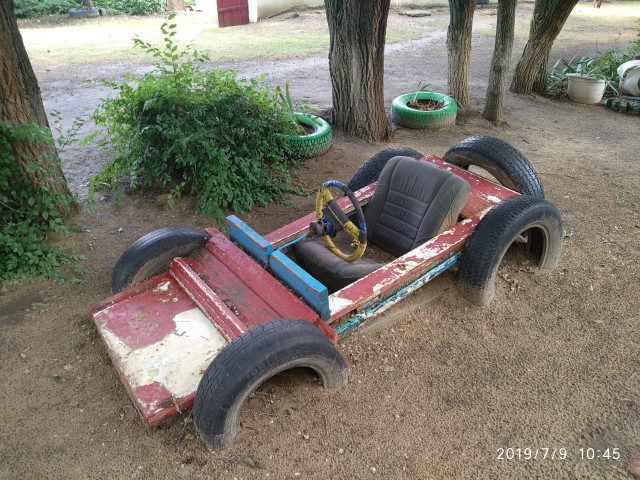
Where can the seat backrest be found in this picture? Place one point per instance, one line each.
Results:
(413, 201)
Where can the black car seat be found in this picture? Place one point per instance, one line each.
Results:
(413, 202)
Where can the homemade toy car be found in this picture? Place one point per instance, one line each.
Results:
(233, 311)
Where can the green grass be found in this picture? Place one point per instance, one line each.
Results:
(58, 41)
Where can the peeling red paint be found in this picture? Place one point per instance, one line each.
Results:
(155, 403)
(146, 318)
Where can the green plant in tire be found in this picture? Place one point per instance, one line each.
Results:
(313, 134)
(424, 109)
(289, 108)
(419, 104)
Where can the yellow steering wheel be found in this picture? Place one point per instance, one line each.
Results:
(330, 219)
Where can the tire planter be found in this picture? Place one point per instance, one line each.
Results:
(585, 89)
(430, 120)
(510, 167)
(314, 144)
(370, 170)
(483, 252)
(622, 106)
(250, 360)
(84, 13)
(152, 253)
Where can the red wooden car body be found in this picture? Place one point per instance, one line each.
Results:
(163, 333)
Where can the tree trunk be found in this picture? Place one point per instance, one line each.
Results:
(459, 48)
(549, 16)
(21, 104)
(494, 104)
(356, 62)
(86, 4)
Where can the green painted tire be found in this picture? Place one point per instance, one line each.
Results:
(434, 120)
(314, 144)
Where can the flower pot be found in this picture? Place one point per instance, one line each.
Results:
(585, 89)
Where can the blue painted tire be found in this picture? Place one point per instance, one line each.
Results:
(430, 120)
(314, 144)
(84, 13)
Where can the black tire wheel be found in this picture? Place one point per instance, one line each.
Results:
(536, 219)
(84, 12)
(404, 115)
(510, 167)
(314, 144)
(152, 253)
(371, 169)
(249, 361)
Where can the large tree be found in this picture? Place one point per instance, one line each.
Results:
(356, 61)
(459, 48)
(21, 104)
(549, 16)
(494, 104)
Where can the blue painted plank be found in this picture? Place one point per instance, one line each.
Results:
(381, 306)
(311, 290)
(250, 240)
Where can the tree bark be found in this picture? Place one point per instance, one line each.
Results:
(505, 27)
(459, 48)
(356, 61)
(21, 104)
(549, 16)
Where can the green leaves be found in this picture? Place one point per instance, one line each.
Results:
(26, 214)
(604, 65)
(209, 132)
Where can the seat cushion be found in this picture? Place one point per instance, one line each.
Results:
(413, 202)
(329, 269)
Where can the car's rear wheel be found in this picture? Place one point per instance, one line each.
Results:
(370, 170)
(537, 220)
(500, 159)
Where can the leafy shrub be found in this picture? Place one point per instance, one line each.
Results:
(27, 214)
(208, 131)
(37, 8)
(132, 7)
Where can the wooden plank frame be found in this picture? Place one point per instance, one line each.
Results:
(249, 239)
(310, 289)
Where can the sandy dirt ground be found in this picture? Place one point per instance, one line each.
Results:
(437, 386)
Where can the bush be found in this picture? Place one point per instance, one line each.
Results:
(132, 7)
(37, 8)
(27, 214)
(210, 132)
